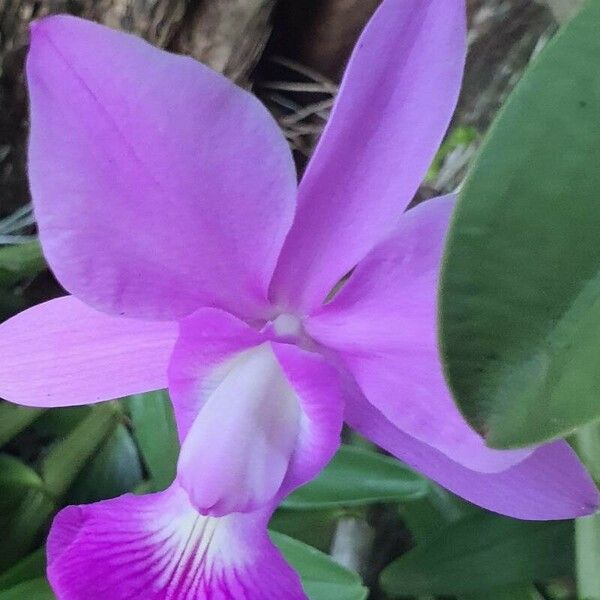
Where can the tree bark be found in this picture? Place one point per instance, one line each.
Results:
(228, 35)
(563, 10)
(321, 33)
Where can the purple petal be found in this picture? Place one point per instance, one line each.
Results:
(257, 417)
(158, 185)
(158, 547)
(239, 448)
(207, 339)
(318, 389)
(383, 326)
(550, 484)
(64, 353)
(395, 103)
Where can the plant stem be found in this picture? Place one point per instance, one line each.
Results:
(587, 529)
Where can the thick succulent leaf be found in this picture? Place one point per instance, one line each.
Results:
(25, 507)
(32, 566)
(426, 517)
(520, 297)
(587, 530)
(13, 419)
(155, 432)
(480, 553)
(22, 527)
(34, 589)
(513, 592)
(20, 262)
(114, 470)
(69, 456)
(315, 527)
(17, 475)
(322, 578)
(356, 477)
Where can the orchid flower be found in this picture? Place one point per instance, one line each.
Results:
(168, 206)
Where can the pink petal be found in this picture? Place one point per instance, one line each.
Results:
(550, 484)
(321, 398)
(395, 103)
(383, 326)
(257, 417)
(158, 185)
(64, 353)
(239, 448)
(207, 339)
(158, 547)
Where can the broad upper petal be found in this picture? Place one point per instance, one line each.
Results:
(158, 547)
(256, 417)
(393, 108)
(63, 353)
(383, 325)
(158, 185)
(550, 484)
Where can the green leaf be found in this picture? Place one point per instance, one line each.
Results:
(30, 515)
(14, 473)
(33, 566)
(587, 532)
(20, 262)
(67, 457)
(115, 470)
(322, 578)
(429, 515)
(520, 288)
(517, 592)
(13, 419)
(22, 527)
(10, 304)
(481, 553)
(357, 477)
(313, 527)
(587, 529)
(35, 589)
(59, 422)
(156, 434)
(21, 490)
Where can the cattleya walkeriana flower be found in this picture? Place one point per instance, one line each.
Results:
(168, 206)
